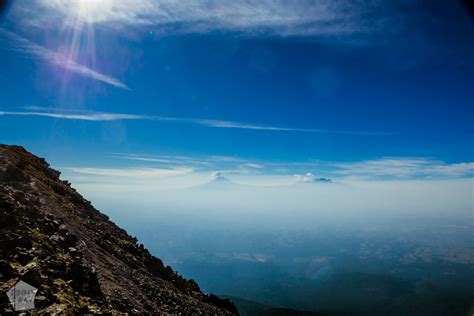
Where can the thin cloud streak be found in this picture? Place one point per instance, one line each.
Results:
(80, 117)
(404, 167)
(250, 17)
(27, 47)
(229, 124)
(203, 122)
(132, 172)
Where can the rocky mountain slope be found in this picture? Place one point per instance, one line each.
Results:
(55, 240)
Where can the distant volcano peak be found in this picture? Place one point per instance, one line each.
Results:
(221, 179)
(219, 182)
(311, 178)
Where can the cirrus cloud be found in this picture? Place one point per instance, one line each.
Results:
(94, 116)
(335, 18)
(131, 172)
(404, 167)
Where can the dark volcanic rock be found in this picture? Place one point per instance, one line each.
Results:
(6, 270)
(81, 262)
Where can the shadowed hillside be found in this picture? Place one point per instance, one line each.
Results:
(55, 240)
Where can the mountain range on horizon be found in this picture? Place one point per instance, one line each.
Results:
(221, 182)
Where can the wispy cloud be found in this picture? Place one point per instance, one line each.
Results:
(27, 47)
(166, 159)
(384, 168)
(147, 173)
(132, 172)
(80, 117)
(252, 17)
(203, 164)
(91, 116)
(401, 167)
(239, 125)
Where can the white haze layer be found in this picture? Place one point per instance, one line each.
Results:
(286, 206)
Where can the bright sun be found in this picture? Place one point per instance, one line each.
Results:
(92, 10)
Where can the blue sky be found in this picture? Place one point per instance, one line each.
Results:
(336, 88)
